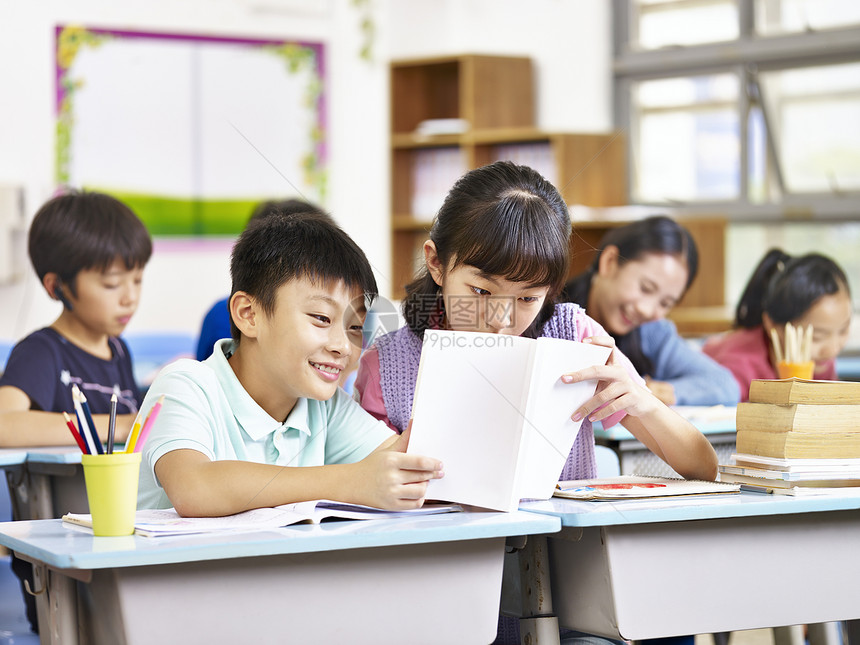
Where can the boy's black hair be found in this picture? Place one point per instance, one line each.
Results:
(77, 231)
(285, 206)
(503, 219)
(786, 287)
(281, 247)
(655, 234)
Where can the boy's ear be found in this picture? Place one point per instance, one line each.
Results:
(608, 261)
(434, 264)
(55, 288)
(243, 311)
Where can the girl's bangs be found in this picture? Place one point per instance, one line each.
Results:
(518, 254)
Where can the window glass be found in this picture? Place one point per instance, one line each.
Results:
(774, 17)
(686, 143)
(815, 117)
(670, 23)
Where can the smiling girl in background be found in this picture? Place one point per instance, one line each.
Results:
(641, 271)
(807, 290)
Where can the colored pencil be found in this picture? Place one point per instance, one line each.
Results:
(147, 426)
(78, 438)
(86, 406)
(82, 421)
(111, 423)
(135, 432)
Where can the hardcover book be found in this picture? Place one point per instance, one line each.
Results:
(795, 390)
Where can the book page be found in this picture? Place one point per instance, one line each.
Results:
(549, 430)
(467, 412)
(167, 522)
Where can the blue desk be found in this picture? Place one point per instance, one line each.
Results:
(46, 483)
(647, 569)
(717, 423)
(428, 579)
(848, 368)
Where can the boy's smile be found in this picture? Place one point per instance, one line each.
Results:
(300, 350)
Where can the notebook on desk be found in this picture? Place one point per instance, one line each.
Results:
(639, 487)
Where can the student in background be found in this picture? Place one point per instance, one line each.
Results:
(89, 251)
(495, 262)
(641, 271)
(806, 290)
(216, 323)
(262, 422)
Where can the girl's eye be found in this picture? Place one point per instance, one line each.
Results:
(321, 318)
(529, 299)
(480, 292)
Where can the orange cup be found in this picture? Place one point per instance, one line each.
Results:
(797, 370)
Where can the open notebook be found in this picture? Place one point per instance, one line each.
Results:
(167, 522)
(639, 487)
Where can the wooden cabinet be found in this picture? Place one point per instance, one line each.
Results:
(483, 108)
(493, 99)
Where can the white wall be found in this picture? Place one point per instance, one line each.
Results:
(569, 42)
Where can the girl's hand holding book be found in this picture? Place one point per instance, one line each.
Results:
(616, 390)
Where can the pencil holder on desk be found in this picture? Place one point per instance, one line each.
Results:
(112, 491)
(803, 370)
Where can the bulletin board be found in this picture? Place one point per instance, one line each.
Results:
(190, 131)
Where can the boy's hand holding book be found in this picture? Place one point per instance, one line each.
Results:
(394, 480)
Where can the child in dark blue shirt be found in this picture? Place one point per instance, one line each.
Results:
(89, 251)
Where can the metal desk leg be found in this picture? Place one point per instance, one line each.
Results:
(30, 494)
(538, 624)
(825, 633)
(57, 605)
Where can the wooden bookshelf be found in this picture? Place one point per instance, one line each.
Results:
(494, 95)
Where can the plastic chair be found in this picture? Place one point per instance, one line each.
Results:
(607, 462)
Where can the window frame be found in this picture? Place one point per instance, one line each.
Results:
(745, 57)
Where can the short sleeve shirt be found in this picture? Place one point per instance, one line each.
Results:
(207, 409)
(45, 365)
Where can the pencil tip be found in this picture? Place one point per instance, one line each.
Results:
(113, 397)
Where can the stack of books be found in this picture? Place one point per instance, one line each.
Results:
(796, 437)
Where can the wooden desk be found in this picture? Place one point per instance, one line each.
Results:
(428, 579)
(647, 569)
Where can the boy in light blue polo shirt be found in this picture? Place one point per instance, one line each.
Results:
(262, 422)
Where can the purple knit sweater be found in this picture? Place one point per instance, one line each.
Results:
(400, 352)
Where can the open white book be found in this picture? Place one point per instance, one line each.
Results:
(167, 522)
(494, 410)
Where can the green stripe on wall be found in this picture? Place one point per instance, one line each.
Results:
(175, 216)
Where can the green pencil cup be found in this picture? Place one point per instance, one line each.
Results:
(112, 491)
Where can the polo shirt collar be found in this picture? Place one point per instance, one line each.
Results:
(253, 419)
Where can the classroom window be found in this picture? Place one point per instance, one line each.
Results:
(669, 23)
(751, 106)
